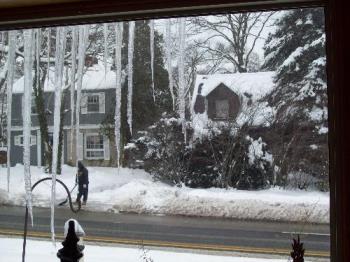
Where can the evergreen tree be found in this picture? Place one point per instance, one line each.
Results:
(296, 50)
(146, 111)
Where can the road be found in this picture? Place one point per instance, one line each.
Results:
(174, 231)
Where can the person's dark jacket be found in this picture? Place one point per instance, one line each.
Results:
(83, 175)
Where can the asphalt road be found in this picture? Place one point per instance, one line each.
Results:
(174, 231)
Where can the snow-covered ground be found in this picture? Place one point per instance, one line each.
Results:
(130, 190)
(40, 251)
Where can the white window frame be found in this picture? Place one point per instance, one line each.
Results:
(85, 104)
(20, 137)
(86, 150)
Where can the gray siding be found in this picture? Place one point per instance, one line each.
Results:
(85, 119)
(17, 151)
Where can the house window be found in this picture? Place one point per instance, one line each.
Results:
(94, 146)
(93, 104)
(19, 140)
(222, 109)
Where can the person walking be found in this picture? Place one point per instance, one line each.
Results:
(83, 183)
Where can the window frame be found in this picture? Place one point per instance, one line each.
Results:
(42, 13)
(86, 149)
(33, 140)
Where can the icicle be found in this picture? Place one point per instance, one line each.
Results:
(59, 64)
(130, 72)
(29, 43)
(151, 25)
(10, 78)
(181, 68)
(118, 61)
(168, 58)
(105, 55)
(48, 53)
(75, 33)
(37, 54)
(83, 35)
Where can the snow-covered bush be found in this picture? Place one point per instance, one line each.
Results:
(161, 150)
(223, 158)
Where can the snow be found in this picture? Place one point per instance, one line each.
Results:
(323, 130)
(314, 147)
(95, 77)
(318, 114)
(43, 251)
(255, 151)
(79, 231)
(134, 190)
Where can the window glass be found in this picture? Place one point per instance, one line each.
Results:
(222, 109)
(94, 146)
(212, 129)
(93, 103)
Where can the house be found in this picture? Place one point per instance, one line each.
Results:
(223, 97)
(98, 99)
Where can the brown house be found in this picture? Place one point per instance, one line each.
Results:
(224, 96)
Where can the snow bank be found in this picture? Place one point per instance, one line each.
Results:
(42, 251)
(130, 190)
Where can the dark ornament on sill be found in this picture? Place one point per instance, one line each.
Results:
(71, 251)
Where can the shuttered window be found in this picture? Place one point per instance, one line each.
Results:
(93, 103)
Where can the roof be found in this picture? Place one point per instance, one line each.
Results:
(256, 84)
(94, 78)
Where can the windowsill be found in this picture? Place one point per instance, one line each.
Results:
(94, 158)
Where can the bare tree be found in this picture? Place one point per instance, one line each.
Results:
(232, 37)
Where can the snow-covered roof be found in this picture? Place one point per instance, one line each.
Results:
(94, 78)
(256, 84)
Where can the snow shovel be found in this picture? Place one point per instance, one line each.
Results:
(66, 200)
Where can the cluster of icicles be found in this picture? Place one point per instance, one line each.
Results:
(79, 39)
